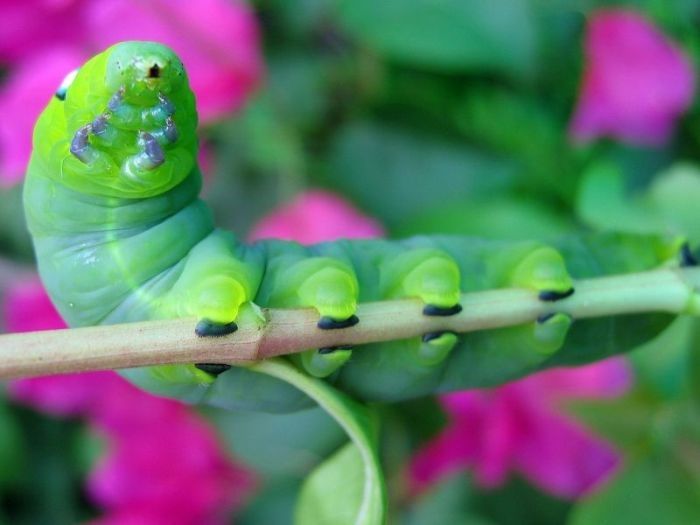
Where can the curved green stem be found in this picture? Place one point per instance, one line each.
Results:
(359, 425)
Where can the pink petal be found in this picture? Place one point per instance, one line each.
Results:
(604, 379)
(466, 404)
(32, 26)
(150, 464)
(23, 96)
(561, 457)
(316, 216)
(480, 437)
(218, 42)
(27, 307)
(499, 435)
(636, 83)
(515, 427)
(63, 395)
(451, 451)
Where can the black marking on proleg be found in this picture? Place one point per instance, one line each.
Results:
(328, 323)
(427, 337)
(688, 258)
(541, 319)
(331, 349)
(438, 311)
(207, 328)
(213, 368)
(550, 296)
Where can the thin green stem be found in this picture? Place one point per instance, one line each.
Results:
(670, 290)
(354, 418)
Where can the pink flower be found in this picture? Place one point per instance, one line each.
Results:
(636, 82)
(163, 463)
(316, 216)
(29, 26)
(23, 96)
(217, 40)
(517, 427)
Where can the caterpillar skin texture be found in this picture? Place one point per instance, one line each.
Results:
(111, 199)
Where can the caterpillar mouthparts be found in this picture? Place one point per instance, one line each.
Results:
(119, 119)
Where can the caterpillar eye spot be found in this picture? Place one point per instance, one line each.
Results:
(62, 90)
(154, 71)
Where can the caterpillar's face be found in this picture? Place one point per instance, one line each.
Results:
(127, 123)
(142, 70)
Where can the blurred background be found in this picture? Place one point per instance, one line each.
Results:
(321, 119)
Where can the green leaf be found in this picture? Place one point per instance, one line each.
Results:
(675, 194)
(651, 490)
(12, 449)
(663, 365)
(259, 163)
(499, 218)
(309, 436)
(273, 503)
(449, 503)
(518, 502)
(298, 85)
(668, 205)
(395, 174)
(694, 363)
(496, 118)
(299, 20)
(14, 237)
(603, 204)
(349, 487)
(447, 35)
(342, 474)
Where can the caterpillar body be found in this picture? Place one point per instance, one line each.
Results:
(120, 234)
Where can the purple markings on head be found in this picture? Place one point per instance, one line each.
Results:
(170, 132)
(79, 146)
(166, 104)
(153, 151)
(99, 125)
(116, 99)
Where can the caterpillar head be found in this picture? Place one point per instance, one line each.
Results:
(142, 70)
(123, 125)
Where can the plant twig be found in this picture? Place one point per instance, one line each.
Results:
(670, 290)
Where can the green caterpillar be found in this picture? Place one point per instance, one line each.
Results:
(111, 200)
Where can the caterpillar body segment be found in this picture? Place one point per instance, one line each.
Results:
(120, 234)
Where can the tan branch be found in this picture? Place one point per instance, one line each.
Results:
(288, 331)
